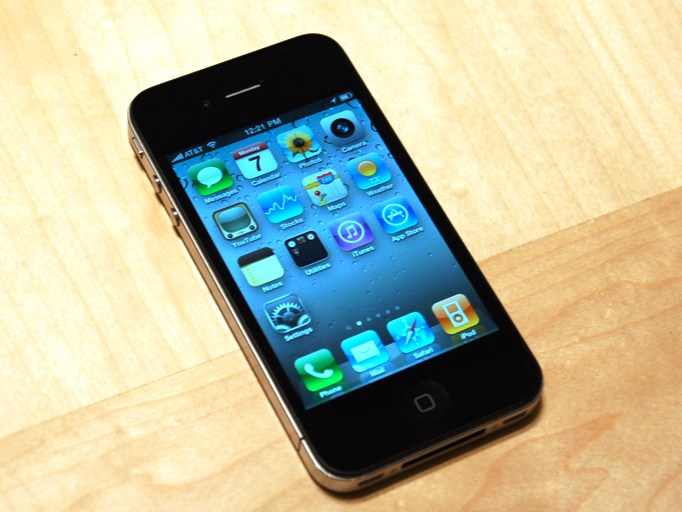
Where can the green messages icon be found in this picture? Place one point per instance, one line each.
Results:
(210, 177)
(318, 370)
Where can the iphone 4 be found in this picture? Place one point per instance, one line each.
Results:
(370, 327)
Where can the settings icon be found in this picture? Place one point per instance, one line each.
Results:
(286, 313)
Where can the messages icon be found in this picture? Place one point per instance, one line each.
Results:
(210, 177)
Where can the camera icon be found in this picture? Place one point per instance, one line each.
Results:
(342, 128)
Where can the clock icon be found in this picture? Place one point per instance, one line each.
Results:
(410, 332)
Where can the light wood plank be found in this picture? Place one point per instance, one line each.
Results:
(526, 117)
(599, 304)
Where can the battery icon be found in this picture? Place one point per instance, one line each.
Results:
(345, 96)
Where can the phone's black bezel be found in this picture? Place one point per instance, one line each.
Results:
(367, 428)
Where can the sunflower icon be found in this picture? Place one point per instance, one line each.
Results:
(299, 144)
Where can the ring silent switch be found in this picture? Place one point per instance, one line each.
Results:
(137, 147)
(427, 402)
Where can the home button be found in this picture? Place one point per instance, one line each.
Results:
(427, 402)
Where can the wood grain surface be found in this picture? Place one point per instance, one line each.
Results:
(120, 380)
(600, 306)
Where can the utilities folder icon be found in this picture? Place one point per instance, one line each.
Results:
(260, 267)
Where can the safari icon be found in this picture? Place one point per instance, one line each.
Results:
(210, 177)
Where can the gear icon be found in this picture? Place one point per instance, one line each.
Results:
(287, 314)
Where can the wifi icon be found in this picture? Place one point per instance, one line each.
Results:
(212, 144)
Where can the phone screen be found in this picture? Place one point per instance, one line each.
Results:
(344, 270)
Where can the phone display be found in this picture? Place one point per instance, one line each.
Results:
(334, 252)
(370, 327)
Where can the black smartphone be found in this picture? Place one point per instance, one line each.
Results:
(369, 325)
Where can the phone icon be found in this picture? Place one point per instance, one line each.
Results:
(455, 313)
(310, 370)
(318, 370)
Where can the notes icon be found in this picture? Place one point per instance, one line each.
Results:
(260, 266)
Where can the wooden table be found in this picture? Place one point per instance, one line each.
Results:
(550, 131)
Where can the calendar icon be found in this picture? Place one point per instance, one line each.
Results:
(254, 160)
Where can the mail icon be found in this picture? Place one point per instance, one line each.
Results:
(365, 351)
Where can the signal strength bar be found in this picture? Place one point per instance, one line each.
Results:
(177, 158)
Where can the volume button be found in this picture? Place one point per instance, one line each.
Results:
(156, 183)
(174, 216)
